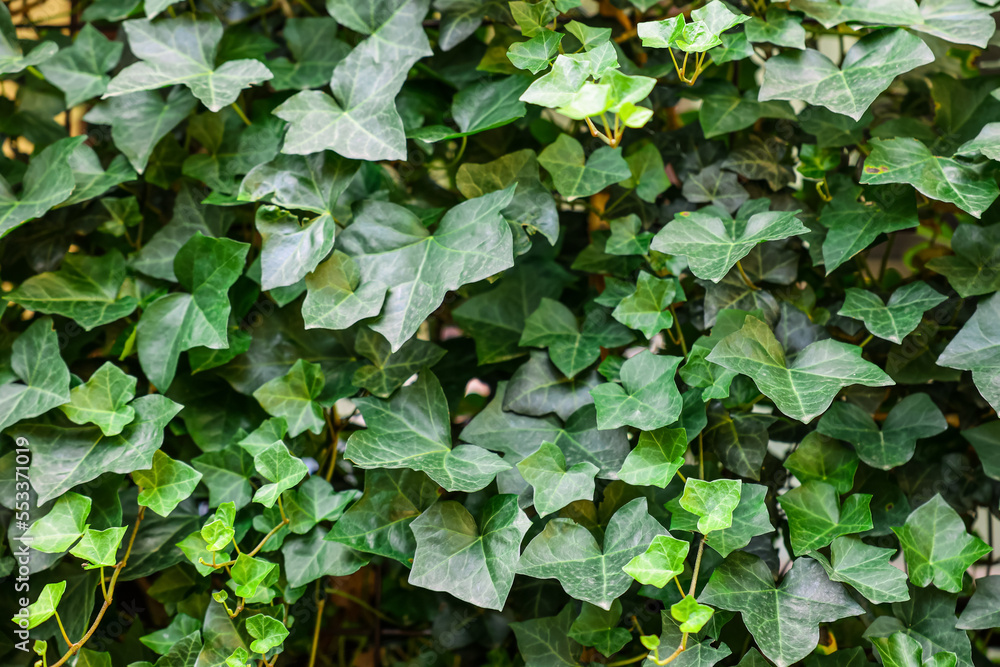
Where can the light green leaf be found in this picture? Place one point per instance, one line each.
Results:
(750, 518)
(647, 398)
(867, 69)
(983, 610)
(906, 160)
(58, 530)
(901, 650)
(166, 484)
(277, 465)
(473, 561)
(182, 51)
(654, 460)
(691, 615)
(783, 620)
(43, 608)
(986, 143)
(713, 241)
(268, 633)
(648, 308)
(938, 550)
(103, 400)
(780, 29)
(866, 568)
(575, 176)
(537, 53)
(337, 298)
(556, 485)
(879, 12)
(249, 574)
(294, 395)
(713, 502)
(412, 430)
(99, 547)
(662, 560)
(816, 517)
(567, 551)
(913, 418)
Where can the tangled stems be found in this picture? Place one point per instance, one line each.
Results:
(699, 66)
(612, 137)
(109, 592)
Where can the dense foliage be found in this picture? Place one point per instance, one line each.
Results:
(500, 333)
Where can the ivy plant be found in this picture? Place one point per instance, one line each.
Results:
(528, 333)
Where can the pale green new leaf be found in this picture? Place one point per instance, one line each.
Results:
(293, 396)
(662, 560)
(277, 465)
(866, 568)
(576, 176)
(44, 607)
(648, 308)
(656, 457)
(750, 519)
(166, 484)
(58, 530)
(103, 400)
(336, 297)
(99, 547)
(267, 632)
(713, 502)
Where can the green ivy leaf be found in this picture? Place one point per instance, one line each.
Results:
(573, 175)
(555, 484)
(58, 530)
(315, 50)
(545, 642)
(823, 459)
(974, 349)
(293, 396)
(48, 181)
(43, 608)
(866, 568)
(691, 615)
(896, 319)
(572, 347)
(713, 241)
(780, 28)
(85, 289)
(783, 620)
(983, 610)
(816, 516)
(724, 109)
(750, 518)
(473, 561)
(43, 375)
(183, 51)
(567, 551)
(207, 268)
(412, 430)
(166, 484)
(79, 70)
(657, 456)
(906, 160)
(268, 633)
(537, 53)
(662, 560)
(389, 244)
(647, 309)
(913, 418)
(938, 550)
(103, 400)
(249, 574)
(337, 298)
(99, 547)
(599, 628)
(647, 398)
(974, 268)
(867, 69)
(713, 502)
(806, 388)
(389, 370)
(277, 465)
